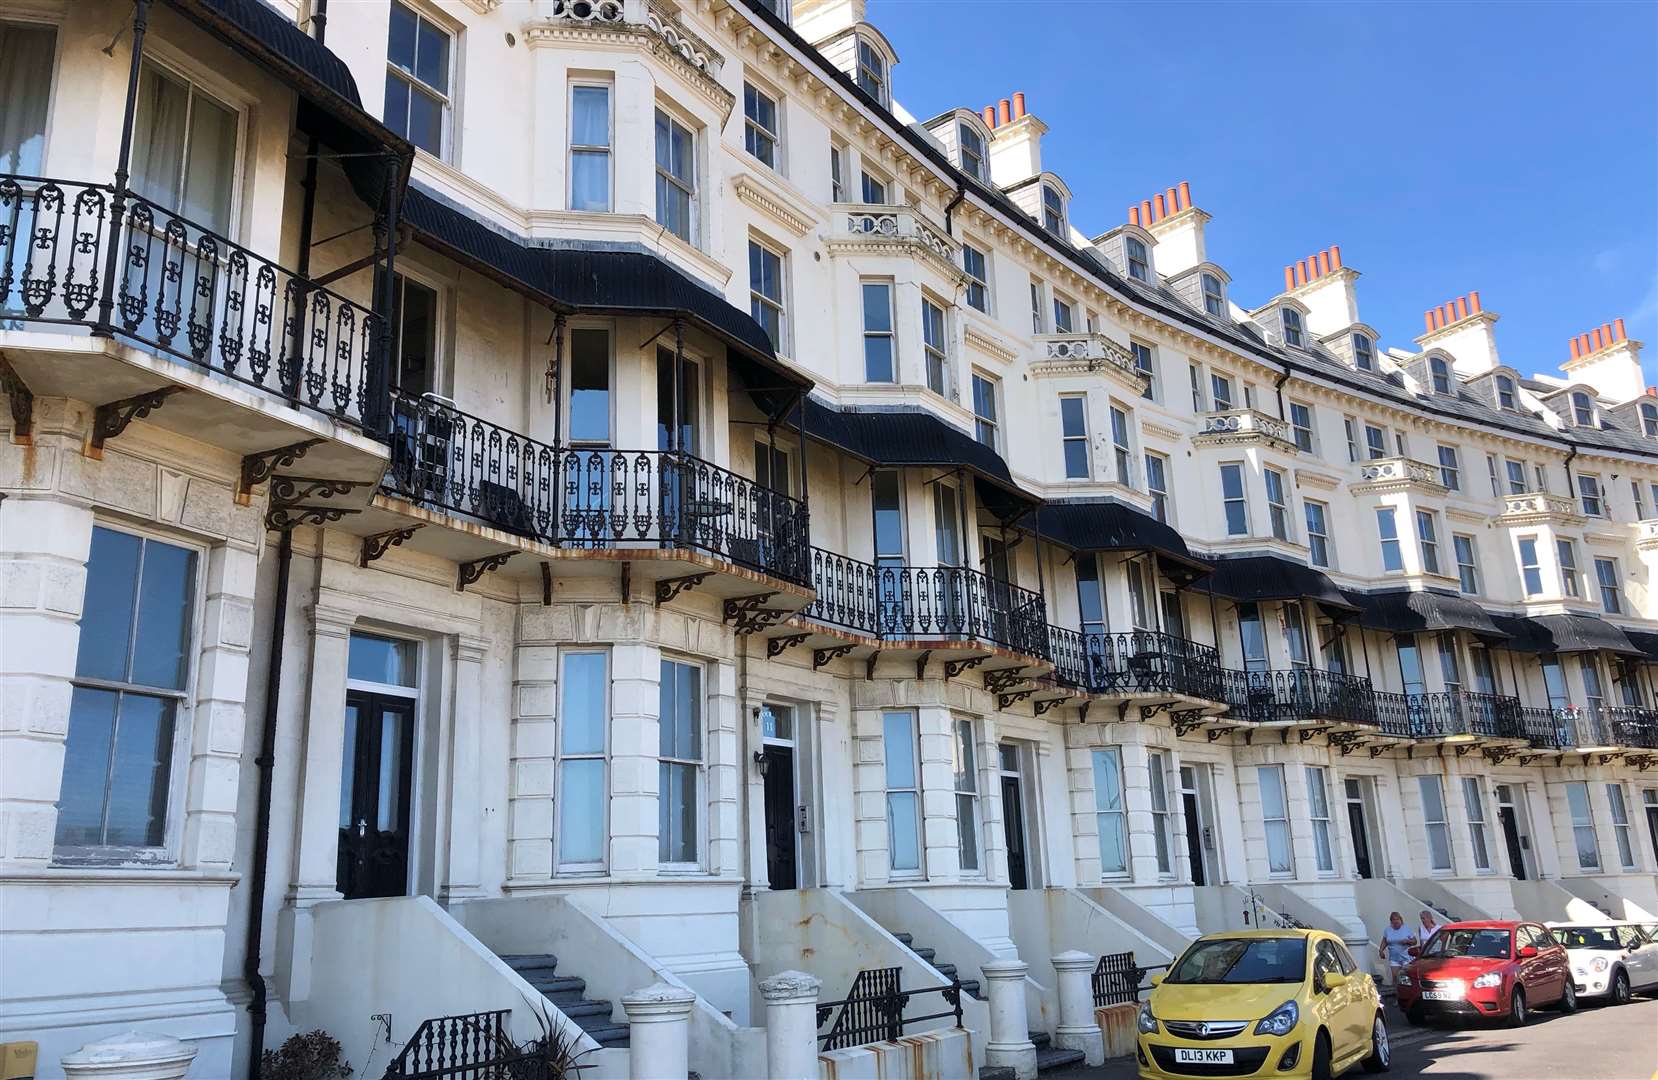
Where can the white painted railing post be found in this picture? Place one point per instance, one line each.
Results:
(791, 1025)
(1009, 1043)
(659, 1039)
(1078, 1030)
(132, 1055)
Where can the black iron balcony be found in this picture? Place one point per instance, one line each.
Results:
(1633, 726)
(1550, 728)
(1300, 696)
(184, 291)
(591, 498)
(1137, 662)
(894, 602)
(1448, 713)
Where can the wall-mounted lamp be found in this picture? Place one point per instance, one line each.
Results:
(761, 761)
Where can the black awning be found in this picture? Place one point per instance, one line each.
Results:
(1563, 633)
(1403, 612)
(910, 436)
(1272, 577)
(607, 282)
(1644, 641)
(1108, 525)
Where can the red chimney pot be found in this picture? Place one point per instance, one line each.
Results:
(1173, 201)
(1134, 215)
(1018, 104)
(1157, 207)
(1335, 256)
(1145, 212)
(990, 117)
(1618, 324)
(1004, 110)
(1301, 272)
(1324, 262)
(1606, 333)
(1474, 302)
(1594, 336)
(1427, 321)
(1185, 194)
(1462, 307)
(1289, 278)
(1577, 349)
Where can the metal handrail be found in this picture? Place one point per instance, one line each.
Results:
(873, 1010)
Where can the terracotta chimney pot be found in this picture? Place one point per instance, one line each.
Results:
(1301, 272)
(1474, 302)
(1606, 334)
(1157, 207)
(1462, 307)
(1173, 201)
(1587, 348)
(1324, 262)
(990, 117)
(1004, 110)
(1427, 321)
(1134, 215)
(1185, 194)
(1335, 256)
(1577, 349)
(1594, 337)
(1618, 324)
(1145, 212)
(1018, 104)
(1289, 278)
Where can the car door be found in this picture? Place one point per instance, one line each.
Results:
(1640, 957)
(1529, 972)
(1559, 963)
(1361, 1004)
(1333, 1001)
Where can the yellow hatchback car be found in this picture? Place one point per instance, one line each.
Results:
(1272, 1003)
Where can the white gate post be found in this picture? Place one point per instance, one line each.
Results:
(791, 1025)
(659, 1039)
(1009, 1043)
(1078, 1030)
(132, 1055)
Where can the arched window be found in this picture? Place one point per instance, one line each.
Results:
(872, 71)
(1364, 353)
(970, 148)
(1440, 374)
(1583, 409)
(1292, 327)
(1505, 393)
(1649, 419)
(1053, 210)
(1214, 300)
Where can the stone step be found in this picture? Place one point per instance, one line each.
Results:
(560, 987)
(925, 952)
(585, 1007)
(971, 988)
(1040, 1040)
(907, 939)
(525, 962)
(607, 1034)
(1054, 1058)
(946, 970)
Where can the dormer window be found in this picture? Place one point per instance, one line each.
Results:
(1292, 327)
(1649, 419)
(1053, 210)
(1439, 374)
(872, 71)
(1364, 353)
(970, 145)
(1505, 393)
(1214, 301)
(1583, 409)
(1139, 260)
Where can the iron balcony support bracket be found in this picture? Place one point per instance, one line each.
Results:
(777, 646)
(748, 614)
(1046, 704)
(952, 668)
(1186, 721)
(469, 572)
(1007, 701)
(257, 468)
(668, 588)
(820, 657)
(22, 401)
(284, 517)
(296, 489)
(379, 543)
(111, 418)
(1002, 679)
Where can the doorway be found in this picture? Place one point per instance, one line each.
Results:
(376, 785)
(1358, 826)
(1649, 797)
(1013, 817)
(1200, 837)
(1516, 837)
(783, 812)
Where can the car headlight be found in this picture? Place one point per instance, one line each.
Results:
(1147, 1023)
(1599, 963)
(1490, 978)
(1281, 1021)
(1405, 980)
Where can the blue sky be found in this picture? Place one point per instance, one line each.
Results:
(1508, 148)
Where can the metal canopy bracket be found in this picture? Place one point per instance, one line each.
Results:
(1307, 734)
(777, 646)
(257, 468)
(1186, 721)
(921, 664)
(1149, 711)
(296, 489)
(1006, 701)
(378, 544)
(1215, 733)
(749, 614)
(668, 588)
(469, 572)
(285, 517)
(22, 401)
(1046, 704)
(952, 668)
(111, 418)
(1377, 749)
(1002, 679)
(820, 657)
(1496, 755)
(1464, 749)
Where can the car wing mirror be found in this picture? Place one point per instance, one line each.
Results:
(1156, 978)
(1334, 980)
(1528, 952)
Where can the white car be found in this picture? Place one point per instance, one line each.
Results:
(1610, 959)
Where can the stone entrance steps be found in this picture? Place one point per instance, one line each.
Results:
(568, 992)
(970, 986)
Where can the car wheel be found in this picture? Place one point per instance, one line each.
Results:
(1620, 988)
(1517, 1013)
(1381, 1055)
(1568, 998)
(1321, 1056)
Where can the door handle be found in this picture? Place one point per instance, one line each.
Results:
(362, 828)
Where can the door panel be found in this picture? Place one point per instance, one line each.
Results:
(781, 866)
(1361, 839)
(1511, 840)
(1194, 835)
(375, 790)
(1013, 818)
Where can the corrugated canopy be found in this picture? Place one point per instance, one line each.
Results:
(909, 436)
(1563, 633)
(1409, 612)
(1107, 525)
(1644, 641)
(1272, 577)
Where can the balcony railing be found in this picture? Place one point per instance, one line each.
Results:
(1297, 696)
(1234, 424)
(591, 498)
(1446, 713)
(901, 226)
(183, 290)
(905, 602)
(1089, 348)
(1536, 504)
(1400, 470)
(1633, 726)
(1135, 662)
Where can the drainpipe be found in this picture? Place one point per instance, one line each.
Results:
(1571, 488)
(1278, 390)
(262, 826)
(961, 193)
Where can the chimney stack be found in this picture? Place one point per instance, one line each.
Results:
(1607, 359)
(1179, 233)
(1016, 146)
(1463, 328)
(1329, 308)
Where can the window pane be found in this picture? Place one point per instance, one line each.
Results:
(137, 813)
(904, 830)
(161, 647)
(381, 660)
(1108, 781)
(397, 104)
(677, 814)
(86, 762)
(900, 750)
(1272, 793)
(158, 137)
(1113, 844)
(388, 814)
(432, 57)
(400, 44)
(425, 121)
(107, 614)
(590, 116)
(589, 386)
(212, 164)
(26, 56)
(581, 811)
(589, 181)
(583, 703)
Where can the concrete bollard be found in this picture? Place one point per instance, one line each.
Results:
(659, 1042)
(1077, 1028)
(791, 1025)
(1009, 1043)
(132, 1055)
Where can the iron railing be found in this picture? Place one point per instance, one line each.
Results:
(472, 1046)
(591, 497)
(1117, 979)
(1549, 728)
(904, 602)
(873, 1010)
(1449, 712)
(1633, 726)
(1134, 662)
(186, 291)
(1297, 696)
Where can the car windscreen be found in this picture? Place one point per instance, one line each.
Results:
(1488, 944)
(1242, 960)
(1587, 937)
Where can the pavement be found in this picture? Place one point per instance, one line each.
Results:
(1598, 1043)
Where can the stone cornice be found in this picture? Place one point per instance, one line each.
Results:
(768, 202)
(990, 346)
(674, 51)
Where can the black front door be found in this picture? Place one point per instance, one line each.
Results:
(376, 780)
(1013, 820)
(1361, 838)
(1652, 823)
(1511, 837)
(780, 826)
(1194, 836)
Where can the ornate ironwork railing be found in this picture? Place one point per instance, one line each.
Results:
(1547, 728)
(1117, 979)
(1449, 712)
(471, 1046)
(1135, 662)
(1297, 696)
(183, 290)
(873, 1010)
(898, 602)
(1633, 726)
(591, 498)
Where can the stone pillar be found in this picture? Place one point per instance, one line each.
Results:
(132, 1055)
(217, 735)
(660, 1031)
(1078, 1030)
(317, 853)
(791, 1025)
(462, 879)
(1009, 1043)
(636, 672)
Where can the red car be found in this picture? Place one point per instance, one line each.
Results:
(1471, 970)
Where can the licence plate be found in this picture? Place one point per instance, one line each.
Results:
(1440, 995)
(1187, 1056)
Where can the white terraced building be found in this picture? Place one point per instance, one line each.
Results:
(489, 481)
